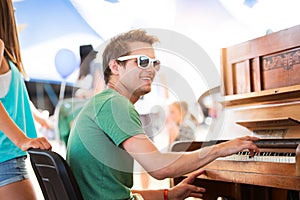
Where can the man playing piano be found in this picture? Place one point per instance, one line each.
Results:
(107, 135)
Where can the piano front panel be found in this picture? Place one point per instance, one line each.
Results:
(270, 174)
(228, 126)
(248, 180)
(266, 180)
(267, 171)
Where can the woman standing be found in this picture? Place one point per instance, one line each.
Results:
(15, 106)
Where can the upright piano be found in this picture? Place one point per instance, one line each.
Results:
(260, 96)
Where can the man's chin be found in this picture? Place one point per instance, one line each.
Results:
(144, 90)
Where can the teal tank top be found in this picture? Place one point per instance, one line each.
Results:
(16, 103)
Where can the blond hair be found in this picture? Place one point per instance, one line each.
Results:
(119, 46)
(183, 107)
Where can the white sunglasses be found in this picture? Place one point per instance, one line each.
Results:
(142, 61)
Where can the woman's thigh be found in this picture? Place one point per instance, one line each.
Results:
(14, 180)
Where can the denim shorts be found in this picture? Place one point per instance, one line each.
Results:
(13, 170)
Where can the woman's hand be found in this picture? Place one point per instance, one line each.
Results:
(39, 143)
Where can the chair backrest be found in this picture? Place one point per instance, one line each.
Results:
(54, 175)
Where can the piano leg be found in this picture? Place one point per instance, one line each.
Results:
(293, 195)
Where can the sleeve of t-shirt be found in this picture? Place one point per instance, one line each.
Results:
(119, 119)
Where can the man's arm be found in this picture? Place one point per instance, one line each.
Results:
(172, 164)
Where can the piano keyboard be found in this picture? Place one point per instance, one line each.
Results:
(276, 157)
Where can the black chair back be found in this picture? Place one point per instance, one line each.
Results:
(54, 175)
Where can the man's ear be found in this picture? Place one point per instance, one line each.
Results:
(114, 67)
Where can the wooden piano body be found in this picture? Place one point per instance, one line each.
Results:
(260, 96)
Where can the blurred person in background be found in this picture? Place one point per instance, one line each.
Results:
(89, 80)
(181, 124)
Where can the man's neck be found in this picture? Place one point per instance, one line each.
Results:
(132, 97)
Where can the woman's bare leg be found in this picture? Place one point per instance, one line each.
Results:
(21, 190)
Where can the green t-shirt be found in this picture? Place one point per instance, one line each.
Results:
(103, 169)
